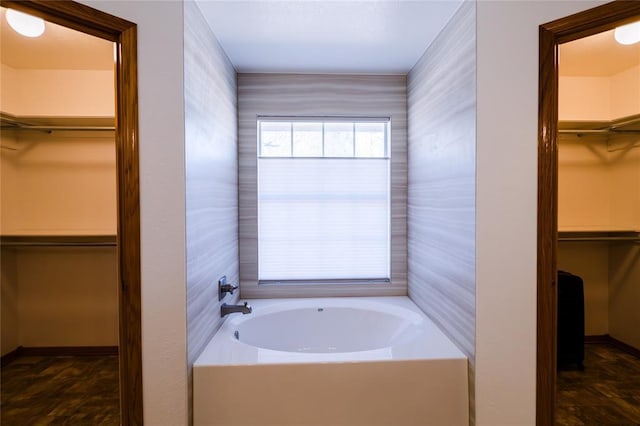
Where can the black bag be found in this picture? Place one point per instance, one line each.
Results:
(570, 320)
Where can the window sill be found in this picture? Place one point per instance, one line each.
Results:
(268, 290)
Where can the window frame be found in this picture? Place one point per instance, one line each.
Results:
(387, 157)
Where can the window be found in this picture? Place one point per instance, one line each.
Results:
(323, 200)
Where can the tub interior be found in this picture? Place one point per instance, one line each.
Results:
(323, 329)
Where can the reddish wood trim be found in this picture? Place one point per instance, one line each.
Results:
(594, 21)
(124, 33)
(127, 161)
(552, 34)
(547, 228)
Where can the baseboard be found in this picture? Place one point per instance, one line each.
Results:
(607, 339)
(599, 338)
(624, 347)
(10, 356)
(59, 351)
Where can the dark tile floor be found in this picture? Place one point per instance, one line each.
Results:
(60, 390)
(607, 392)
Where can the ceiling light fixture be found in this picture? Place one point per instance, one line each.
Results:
(628, 34)
(27, 25)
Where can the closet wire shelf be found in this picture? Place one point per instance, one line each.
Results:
(50, 124)
(613, 236)
(58, 241)
(625, 125)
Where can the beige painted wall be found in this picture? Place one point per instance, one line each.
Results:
(624, 293)
(599, 98)
(8, 177)
(67, 296)
(591, 262)
(598, 183)
(58, 93)
(599, 189)
(62, 183)
(9, 319)
(625, 87)
(584, 182)
(59, 296)
(584, 98)
(625, 183)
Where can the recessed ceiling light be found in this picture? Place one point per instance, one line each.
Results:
(27, 25)
(628, 34)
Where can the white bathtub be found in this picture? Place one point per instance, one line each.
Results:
(330, 361)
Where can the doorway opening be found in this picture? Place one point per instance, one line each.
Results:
(127, 240)
(552, 35)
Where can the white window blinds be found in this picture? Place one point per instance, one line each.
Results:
(323, 200)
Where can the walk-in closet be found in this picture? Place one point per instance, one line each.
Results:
(599, 231)
(59, 299)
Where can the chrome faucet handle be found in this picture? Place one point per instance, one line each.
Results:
(224, 288)
(228, 288)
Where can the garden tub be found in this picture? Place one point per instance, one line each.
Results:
(330, 361)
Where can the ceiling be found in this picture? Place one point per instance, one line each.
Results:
(367, 36)
(597, 56)
(58, 48)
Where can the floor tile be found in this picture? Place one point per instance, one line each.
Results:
(606, 392)
(60, 391)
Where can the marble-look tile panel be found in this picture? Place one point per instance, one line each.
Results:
(211, 178)
(442, 169)
(320, 95)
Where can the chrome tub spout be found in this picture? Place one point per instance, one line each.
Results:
(230, 309)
